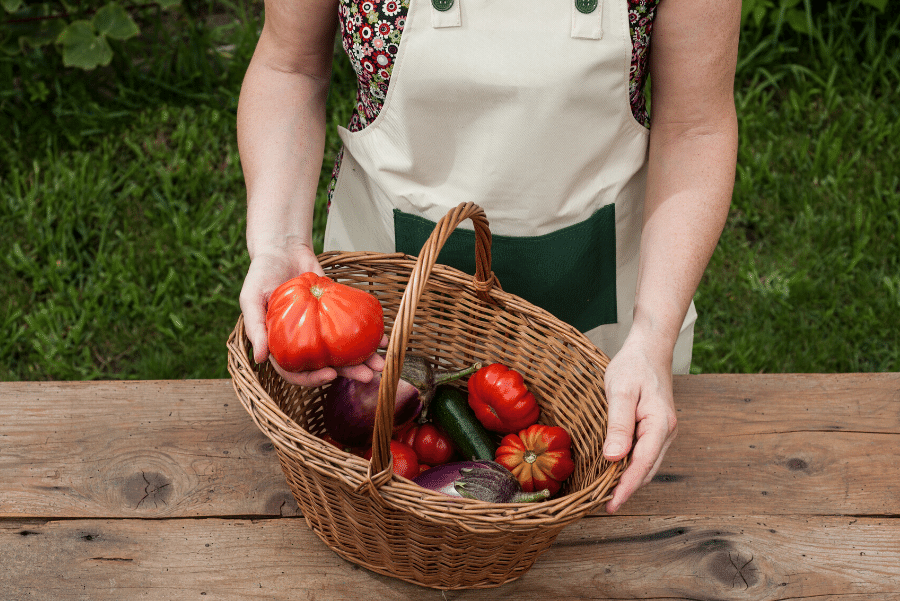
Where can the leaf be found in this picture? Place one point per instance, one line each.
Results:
(113, 21)
(11, 6)
(797, 20)
(82, 47)
(879, 4)
(746, 8)
(168, 3)
(759, 14)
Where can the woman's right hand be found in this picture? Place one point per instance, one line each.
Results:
(268, 270)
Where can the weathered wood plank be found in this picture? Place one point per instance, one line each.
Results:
(134, 449)
(764, 444)
(780, 444)
(777, 403)
(612, 557)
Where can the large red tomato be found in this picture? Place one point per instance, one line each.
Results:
(315, 322)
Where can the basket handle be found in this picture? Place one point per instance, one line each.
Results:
(484, 280)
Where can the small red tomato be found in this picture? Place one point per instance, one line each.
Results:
(431, 444)
(330, 440)
(407, 434)
(406, 463)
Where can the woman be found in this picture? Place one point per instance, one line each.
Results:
(535, 112)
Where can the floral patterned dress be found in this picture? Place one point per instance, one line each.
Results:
(371, 30)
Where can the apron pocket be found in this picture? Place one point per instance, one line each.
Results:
(570, 272)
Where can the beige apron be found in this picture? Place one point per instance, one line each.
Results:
(522, 107)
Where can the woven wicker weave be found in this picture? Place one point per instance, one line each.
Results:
(386, 523)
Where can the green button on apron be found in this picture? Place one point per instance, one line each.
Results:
(443, 5)
(583, 6)
(570, 272)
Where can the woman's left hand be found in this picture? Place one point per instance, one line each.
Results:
(641, 411)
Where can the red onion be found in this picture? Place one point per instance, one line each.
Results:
(349, 405)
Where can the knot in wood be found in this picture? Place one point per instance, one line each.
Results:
(147, 490)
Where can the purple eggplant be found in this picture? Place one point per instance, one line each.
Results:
(349, 405)
(483, 480)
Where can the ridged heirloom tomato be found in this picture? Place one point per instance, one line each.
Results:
(314, 322)
(539, 456)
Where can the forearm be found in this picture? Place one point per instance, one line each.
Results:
(281, 138)
(689, 188)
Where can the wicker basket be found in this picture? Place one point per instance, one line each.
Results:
(385, 523)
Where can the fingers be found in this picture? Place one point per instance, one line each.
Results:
(656, 433)
(362, 372)
(620, 429)
(375, 362)
(666, 444)
(305, 378)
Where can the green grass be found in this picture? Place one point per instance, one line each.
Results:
(122, 205)
(806, 277)
(125, 258)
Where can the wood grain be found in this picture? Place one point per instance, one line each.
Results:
(134, 449)
(808, 444)
(722, 558)
(777, 487)
(780, 444)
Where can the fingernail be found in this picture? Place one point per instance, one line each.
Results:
(613, 449)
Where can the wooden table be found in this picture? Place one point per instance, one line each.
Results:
(777, 487)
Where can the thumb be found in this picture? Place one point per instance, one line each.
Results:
(256, 332)
(255, 327)
(620, 429)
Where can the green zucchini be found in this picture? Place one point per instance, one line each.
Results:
(449, 408)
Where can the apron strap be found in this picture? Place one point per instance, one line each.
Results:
(445, 13)
(587, 17)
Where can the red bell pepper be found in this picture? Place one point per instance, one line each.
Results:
(539, 456)
(500, 400)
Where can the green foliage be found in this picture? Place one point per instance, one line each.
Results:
(797, 14)
(121, 206)
(805, 277)
(122, 200)
(82, 32)
(124, 260)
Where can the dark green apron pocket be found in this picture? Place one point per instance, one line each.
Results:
(570, 272)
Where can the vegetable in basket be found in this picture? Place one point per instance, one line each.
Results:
(484, 480)
(450, 409)
(500, 399)
(314, 322)
(405, 461)
(539, 457)
(431, 444)
(349, 405)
